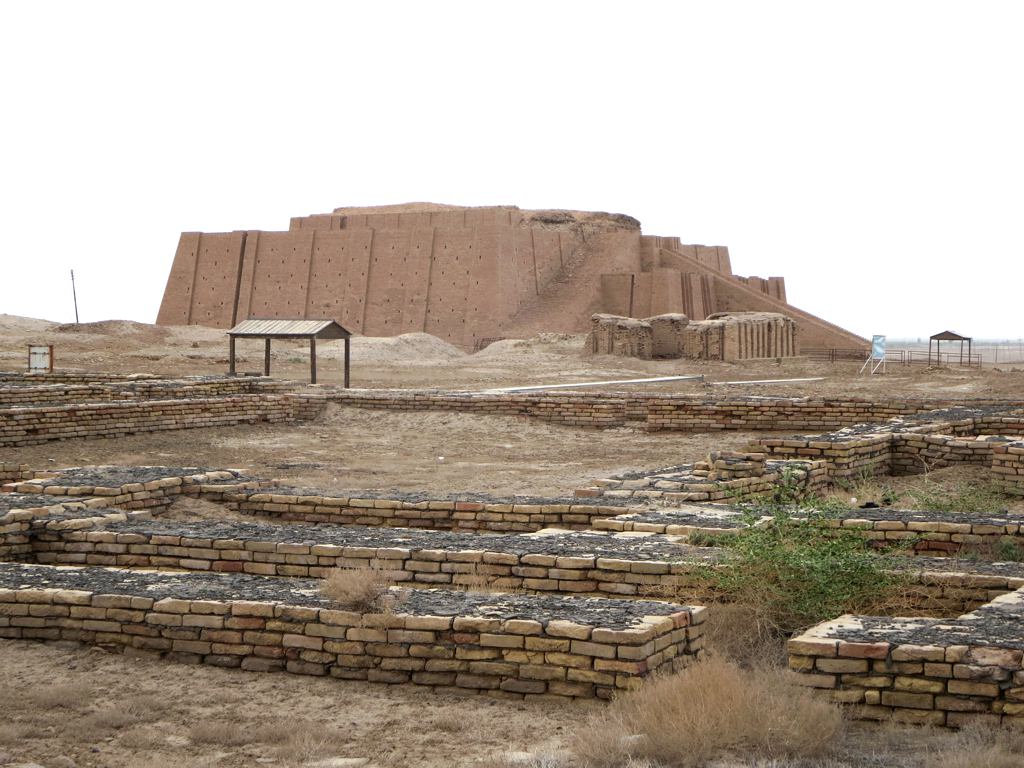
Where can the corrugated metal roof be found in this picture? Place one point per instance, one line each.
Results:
(304, 328)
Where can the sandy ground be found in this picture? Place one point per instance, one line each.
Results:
(70, 707)
(100, 709)
(421, 360)
(63, 707)
(350, 448)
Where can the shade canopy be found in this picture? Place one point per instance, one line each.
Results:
(290, 329)
(938, 338)
(255, 328)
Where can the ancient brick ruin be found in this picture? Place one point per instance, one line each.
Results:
(596, 589)
(464, 275)
(728, 336)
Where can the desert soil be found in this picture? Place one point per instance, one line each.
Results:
(421, 360)
(61, 706)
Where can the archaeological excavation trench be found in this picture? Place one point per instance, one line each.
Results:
(579, 596)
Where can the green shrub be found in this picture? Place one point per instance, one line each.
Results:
(801, 571)
(1009, 550)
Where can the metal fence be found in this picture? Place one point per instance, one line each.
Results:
(832, 354)
(971, 359)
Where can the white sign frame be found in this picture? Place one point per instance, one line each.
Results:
(40, 358)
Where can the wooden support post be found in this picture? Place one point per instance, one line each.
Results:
(312, 360)
(231, 356)
(266, 357)
(347, 349)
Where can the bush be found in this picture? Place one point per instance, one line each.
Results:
(710, 710)
(800, 571)
(364, 590)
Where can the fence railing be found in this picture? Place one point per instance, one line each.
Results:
(832, 354)
(896, 356)
(964, 360)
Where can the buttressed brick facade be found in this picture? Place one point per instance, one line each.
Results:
(463, 274)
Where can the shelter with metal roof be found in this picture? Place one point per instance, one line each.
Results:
(938, 338)
(255, 328)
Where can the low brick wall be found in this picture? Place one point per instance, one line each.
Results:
(918, 454)
(899, 449)
(593, 564)
(844, 457)
(926, 533)
(22, 516)
(680, 413)
(499, 516)
(49, 393)
(156, 487)
(1008, 466)
(951, 672)
(933, 533)
(91, 405)
(697, 483)
(851, 458)
(570, 408)
(10, 378)
(590, 563)
(536, 646)
(693, 414)
(28, 426)
(11, 471)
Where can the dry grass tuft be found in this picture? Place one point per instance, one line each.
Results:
(74, 696)
(980, 747)
(146, 739)
(133, 710)
(448, 723)
(711, 710)
(526, 760)
(480, 583)
(364, 590)
(13, 733)
(221, 733)
(294, 741)
(744, 634)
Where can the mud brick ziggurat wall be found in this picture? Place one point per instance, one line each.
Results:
(464, 274)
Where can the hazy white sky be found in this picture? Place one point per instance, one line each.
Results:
(871, 152)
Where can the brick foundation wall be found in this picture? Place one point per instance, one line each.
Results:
(28, 426)
(624, 572)
(71, 377)
(918, 454)
(846, 458)
(905, 453)
(96, 392)
(436, 514)
(951, 672)
(518, 657)
(152, 494)
(760, 480)
(184, 405)
(681, 413)
(1008, 466)
(587, 575)
(11, 471)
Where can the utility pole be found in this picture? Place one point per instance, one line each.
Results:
(74, 295)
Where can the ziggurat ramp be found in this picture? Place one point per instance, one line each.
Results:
(463, 274)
